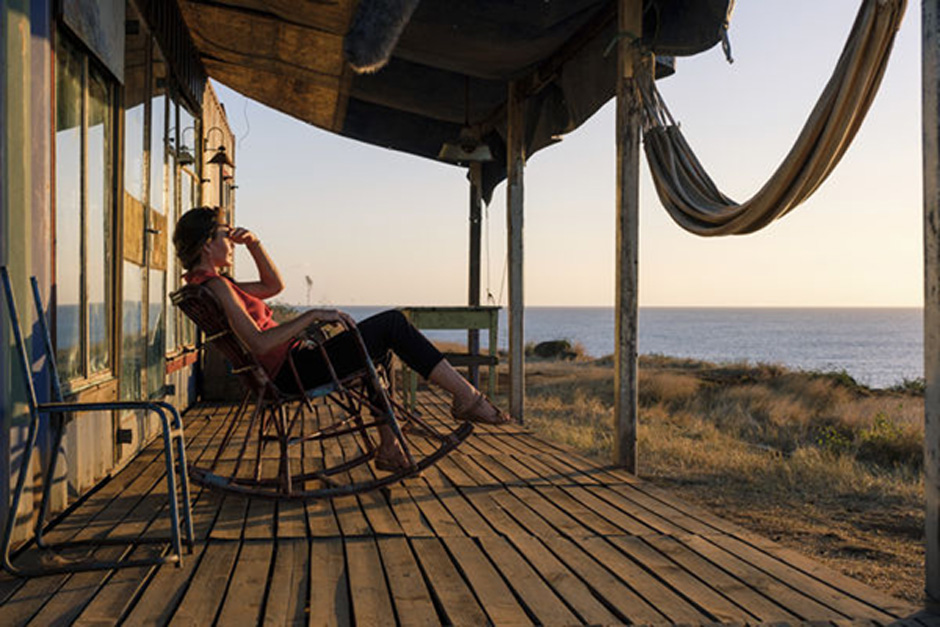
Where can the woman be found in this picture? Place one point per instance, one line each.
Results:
(205, 246)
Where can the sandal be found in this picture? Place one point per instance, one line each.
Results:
(473, 412)
(391, 464)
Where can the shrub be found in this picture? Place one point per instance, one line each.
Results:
(556, 349)
(916, 386)
(890, 444)
(834, 440)
(283, 312)
(666, 387)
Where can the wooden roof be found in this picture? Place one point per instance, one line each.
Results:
(451, 65)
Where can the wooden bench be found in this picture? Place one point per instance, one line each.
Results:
(456, 317)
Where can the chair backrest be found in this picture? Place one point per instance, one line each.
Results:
(21, 350)
(202, 306)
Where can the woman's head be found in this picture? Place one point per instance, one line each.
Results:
(196, 229)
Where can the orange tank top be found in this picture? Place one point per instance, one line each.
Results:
(258, 311)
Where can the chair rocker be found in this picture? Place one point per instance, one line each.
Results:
(172, 431)
(278, 415)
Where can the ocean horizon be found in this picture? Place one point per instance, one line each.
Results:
(877, 346)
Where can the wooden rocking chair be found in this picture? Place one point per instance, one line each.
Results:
(360, 392)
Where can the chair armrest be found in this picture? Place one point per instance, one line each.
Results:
(160, 407)
(317, 331)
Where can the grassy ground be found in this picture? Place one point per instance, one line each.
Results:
(812, 460)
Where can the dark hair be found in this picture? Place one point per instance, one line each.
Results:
(195, 228)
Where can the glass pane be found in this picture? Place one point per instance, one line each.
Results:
(158, 127)
(188, 192)
(98, 254)
(172, 321)
(68, 218)
(189, 135)
(156, 368)
(135, 93)
(133, 344)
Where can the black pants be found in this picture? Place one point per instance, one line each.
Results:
(382, 334)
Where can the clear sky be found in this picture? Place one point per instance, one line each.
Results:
(375, 227)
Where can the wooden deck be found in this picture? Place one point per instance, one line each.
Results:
(508, 530)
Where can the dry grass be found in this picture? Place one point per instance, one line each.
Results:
(811, 460)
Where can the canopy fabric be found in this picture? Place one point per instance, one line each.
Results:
(288, 54)
(692, 198)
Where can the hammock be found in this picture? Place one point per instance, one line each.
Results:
(692, 198)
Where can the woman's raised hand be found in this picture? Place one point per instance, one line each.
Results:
(241, 235)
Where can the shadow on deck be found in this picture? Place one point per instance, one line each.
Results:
(509, 529)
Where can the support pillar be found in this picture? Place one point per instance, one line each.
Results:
(628, 167)
(931, 164)
(473, 296)
(515, 167)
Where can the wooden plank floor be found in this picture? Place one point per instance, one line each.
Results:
(507, 530)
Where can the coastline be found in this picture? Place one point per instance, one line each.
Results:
(879, 347)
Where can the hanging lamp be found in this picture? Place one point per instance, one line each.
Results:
(467, 147)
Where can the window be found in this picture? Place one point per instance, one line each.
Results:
(157, 237)
(84, 177)
(183, 186)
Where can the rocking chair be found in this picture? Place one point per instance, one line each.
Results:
(350, 437)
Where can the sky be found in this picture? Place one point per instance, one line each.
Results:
(372, 226)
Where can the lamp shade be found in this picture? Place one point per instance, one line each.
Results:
(221, 158)
(465, 149)
(184, 156)
(461, 152)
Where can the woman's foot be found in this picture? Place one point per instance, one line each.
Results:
(390, 458)
(478, 409)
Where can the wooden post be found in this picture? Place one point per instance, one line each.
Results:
(473, 297)
(515, 167)
(931, 149)
(628, 167)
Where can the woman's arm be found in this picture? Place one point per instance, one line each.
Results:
(270, 282)
(260, 342)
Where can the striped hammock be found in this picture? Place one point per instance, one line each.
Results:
(692, 198)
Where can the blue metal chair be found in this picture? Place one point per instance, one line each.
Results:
(172, 429)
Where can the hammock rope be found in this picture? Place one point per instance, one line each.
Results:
(689, 194)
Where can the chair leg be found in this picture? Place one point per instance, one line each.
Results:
(233, 423)
(255, 415)
(284, 467)
(261, 430)
(15, 505)
(58, 427)
(171, 485)
(182, 469)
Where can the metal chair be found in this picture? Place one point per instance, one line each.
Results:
(172, 431)
(356, 393)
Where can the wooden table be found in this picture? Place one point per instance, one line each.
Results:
(456, 317)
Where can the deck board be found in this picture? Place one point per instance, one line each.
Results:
(287, 591)
(508, 529)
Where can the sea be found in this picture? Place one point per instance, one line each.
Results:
(878, 347)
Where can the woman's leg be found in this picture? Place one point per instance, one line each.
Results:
(468, 402)
(382, 334)
(390, 330)
(345, 357)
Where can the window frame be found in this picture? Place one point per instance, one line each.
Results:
(185, 339)
(88, 379)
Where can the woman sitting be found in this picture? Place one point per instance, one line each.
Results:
(205, 246)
